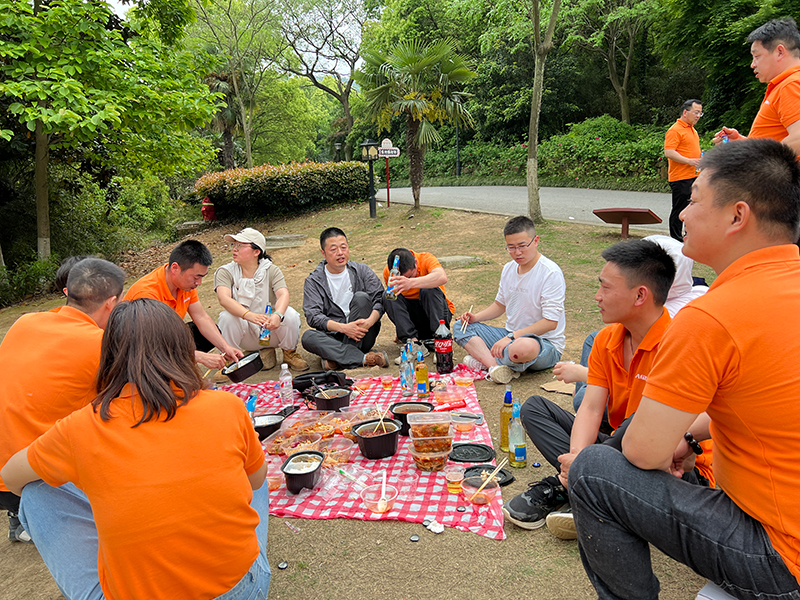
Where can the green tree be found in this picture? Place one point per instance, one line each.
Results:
(611, 28)
(422, 83)
(75, 79)
(227, 119)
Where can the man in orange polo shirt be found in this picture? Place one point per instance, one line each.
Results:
(421, 299)
(175, 284)
(634, 284)
(59, 352)
(775, 47)
(682, 149)
(726, 369)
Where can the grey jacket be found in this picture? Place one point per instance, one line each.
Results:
(318, 304)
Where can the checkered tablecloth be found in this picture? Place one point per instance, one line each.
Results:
(423, 495)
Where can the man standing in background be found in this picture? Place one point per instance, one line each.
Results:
(682, 149)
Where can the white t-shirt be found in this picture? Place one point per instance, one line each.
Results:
(341, 289)
(683, 289)
(538, 294)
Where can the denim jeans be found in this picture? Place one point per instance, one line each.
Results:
(619, 510)
(547, 358)
(60, 522)
(580, 386)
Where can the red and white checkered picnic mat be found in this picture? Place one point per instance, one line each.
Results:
(420, 499)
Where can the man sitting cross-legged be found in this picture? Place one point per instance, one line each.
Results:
(531, 294)
(634, 284)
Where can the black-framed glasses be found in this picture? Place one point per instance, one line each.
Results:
(520, 247)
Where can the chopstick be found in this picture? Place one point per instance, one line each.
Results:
(465, 323)
(488, 479)
(380, 423)
(209, 371)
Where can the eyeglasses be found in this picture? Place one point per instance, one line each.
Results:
(520, 247)
(694, 112)
(238, 246)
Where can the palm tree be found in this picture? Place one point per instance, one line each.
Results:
(226, 120)
(419, 81)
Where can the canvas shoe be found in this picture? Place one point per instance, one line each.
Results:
(16, 532)
(530, 508)
(502, 374)
(473, 363)
(561, 523)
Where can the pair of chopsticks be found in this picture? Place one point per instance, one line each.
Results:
(465, 323)
(488, 479)
(380, 423)
(209, 371)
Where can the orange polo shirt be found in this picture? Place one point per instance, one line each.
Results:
(780, 107)
(426, 262)
(58, 352)
(171, 499)
(154, 285)
(732, 354)
(682, 138)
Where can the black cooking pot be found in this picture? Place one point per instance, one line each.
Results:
(329, 399)
(266, 425)
(244, 368)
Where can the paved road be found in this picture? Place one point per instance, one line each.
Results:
(558, 204)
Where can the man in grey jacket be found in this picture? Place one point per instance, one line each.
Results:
(342, 301)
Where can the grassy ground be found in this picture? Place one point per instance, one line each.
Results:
(331, 559)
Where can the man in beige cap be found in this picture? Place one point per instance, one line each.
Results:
(245, 287)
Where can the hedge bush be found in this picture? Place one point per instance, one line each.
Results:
(268, 190)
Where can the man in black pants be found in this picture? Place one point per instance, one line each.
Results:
(421, 301)
(682, 149)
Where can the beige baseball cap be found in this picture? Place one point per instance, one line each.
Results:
(248, 235)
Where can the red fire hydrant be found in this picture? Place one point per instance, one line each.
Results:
(207, 210)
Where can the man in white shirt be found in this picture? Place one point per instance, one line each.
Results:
(531, 294)
(343, 302)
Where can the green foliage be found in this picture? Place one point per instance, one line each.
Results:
(143, 204)
(269, 191)
(32, 278)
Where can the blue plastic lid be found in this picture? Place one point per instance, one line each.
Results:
(515, 410)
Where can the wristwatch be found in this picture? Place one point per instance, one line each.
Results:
(510, 336)
(280, 314)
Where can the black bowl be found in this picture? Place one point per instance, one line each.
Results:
(266, 425)
(295, 482)
(402, 417)
(244, 368)
(380, 445)
(337, 398)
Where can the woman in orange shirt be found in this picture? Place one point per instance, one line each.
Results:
(173, 473)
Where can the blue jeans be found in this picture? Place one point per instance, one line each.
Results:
(547, 358)
(580, 386)
(619, 510)
(60, 522)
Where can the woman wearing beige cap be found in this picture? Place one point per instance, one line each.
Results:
(245, 287)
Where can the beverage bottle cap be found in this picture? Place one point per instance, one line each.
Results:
(515, 410)
(419, 356)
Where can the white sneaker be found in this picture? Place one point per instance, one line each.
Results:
(473, 363)
(502, 374)
(562, 524)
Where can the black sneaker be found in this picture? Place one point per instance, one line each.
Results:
(16, 532)
(530, 509)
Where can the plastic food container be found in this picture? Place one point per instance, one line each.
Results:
(439, 443)
(375, 444)
(463, 424)
(266, 425)
(337, 451)
(301, 418)
(274, 473)
(302, 442)
(333, 398)
(324, 428)
(272, 445)
(470, 485)
(371, 496)
(449, 393)
(429, 424)
(401, 410)
(302, 470)
(429, 461)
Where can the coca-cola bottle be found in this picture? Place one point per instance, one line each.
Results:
(443, 340)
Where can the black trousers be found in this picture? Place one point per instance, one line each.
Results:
(418, 318)
(9, 502)
(200, 342)
(681, 194)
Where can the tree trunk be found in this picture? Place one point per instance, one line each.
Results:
(2, 262)
(348, 117)
(248, 151)
(534, 204)
(416, 158)
(621, 88)
(42, 192)
(227, 149)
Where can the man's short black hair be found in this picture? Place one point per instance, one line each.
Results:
(520, 225)
(688, 105)
(190, 253)
(91, 282)
(763, 173)
(777, 31)
(64, 268)
(643, 262)
(407, 260)
(329, 233)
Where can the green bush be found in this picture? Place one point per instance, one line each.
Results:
(268, 190)
(28, 279)
(143, 204)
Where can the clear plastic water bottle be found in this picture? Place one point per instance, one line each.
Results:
(517, 446)
(250, 405)
(285, 383)
(407, 378)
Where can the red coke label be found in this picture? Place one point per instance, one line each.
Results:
(443, 345)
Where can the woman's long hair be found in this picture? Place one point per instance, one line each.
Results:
(147, 345)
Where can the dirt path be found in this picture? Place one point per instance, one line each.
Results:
(355, 559)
